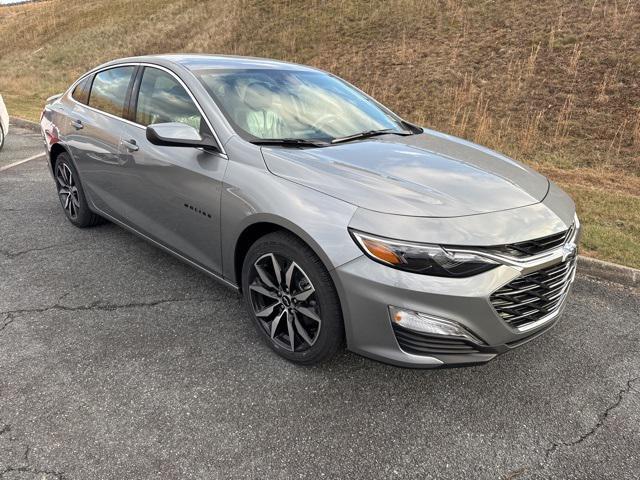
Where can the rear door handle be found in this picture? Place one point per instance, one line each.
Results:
(77, 124)
(131, 145)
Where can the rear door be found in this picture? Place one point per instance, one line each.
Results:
(175, 198)
(94, 136)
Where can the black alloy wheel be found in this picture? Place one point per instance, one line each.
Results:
(292, 299)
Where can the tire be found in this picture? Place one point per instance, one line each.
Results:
(1, 137)
(304, 302)
(71, 195)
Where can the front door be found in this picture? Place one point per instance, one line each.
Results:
(174, 192)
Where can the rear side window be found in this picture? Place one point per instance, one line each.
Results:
(109, 90)
(162, 99)
(81, 92)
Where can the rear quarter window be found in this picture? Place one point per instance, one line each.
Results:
(81, 91)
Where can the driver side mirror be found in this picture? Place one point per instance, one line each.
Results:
(176, 134)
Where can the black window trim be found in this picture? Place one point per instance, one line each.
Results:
(133, 98)
(134, 88)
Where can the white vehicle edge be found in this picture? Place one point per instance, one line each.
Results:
(4, 122)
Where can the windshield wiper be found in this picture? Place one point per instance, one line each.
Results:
(371, 133)
(303, 142)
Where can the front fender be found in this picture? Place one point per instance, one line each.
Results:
(253, 195)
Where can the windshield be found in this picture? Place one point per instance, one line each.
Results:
(286, 104)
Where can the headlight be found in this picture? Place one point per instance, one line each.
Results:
(421, 258)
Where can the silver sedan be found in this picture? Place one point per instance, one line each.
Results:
(337, 220)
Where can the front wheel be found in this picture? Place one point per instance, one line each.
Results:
(1, 137)
(292, 299)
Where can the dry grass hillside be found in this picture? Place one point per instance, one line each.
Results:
(552, 83)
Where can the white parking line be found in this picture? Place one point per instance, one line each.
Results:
(22, 161)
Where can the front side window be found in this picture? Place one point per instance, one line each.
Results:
(162, 99)
(109, 90)
(277, 104)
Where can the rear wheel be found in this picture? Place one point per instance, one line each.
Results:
(292, 299)
(1, 137)
(71, 194)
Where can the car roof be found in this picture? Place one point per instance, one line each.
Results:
(207, 62)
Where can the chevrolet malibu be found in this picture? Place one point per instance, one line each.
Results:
(336, 219)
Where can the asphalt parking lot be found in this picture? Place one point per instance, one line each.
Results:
(119, 362)
(21, 143)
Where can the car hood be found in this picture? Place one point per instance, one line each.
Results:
(429, 175)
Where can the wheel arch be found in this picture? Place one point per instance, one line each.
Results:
(56, 149)
(263, 224)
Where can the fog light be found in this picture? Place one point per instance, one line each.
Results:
(421, 322)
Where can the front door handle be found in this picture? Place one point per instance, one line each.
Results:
(77, 124)
(131, 145)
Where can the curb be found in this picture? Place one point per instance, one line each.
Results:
(22, 123)
(588, 266)
(609, 271)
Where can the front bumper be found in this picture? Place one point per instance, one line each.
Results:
(367, 289)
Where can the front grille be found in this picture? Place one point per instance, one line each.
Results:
(419, 343)
(532, 297)
(538, 245)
